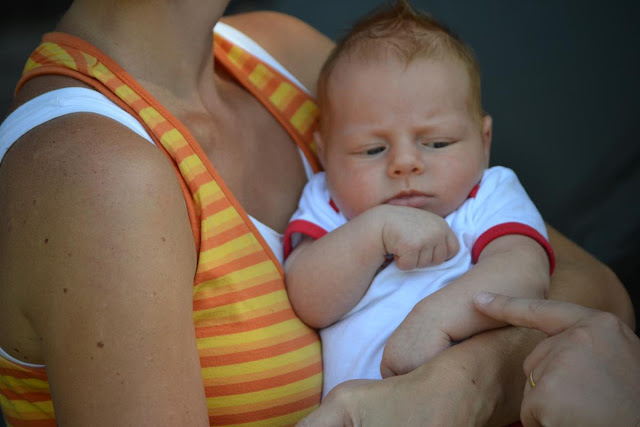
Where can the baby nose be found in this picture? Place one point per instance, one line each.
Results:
(406, 163)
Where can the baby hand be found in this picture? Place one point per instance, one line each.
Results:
(416, 238)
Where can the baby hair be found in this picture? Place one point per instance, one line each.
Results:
(398, 31)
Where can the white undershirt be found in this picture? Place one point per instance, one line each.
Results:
(61, 102)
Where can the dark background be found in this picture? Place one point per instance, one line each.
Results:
(560, 79)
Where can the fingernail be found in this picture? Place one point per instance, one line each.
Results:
(484, 298)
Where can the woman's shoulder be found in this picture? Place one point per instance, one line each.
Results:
(79, 190)
(298, 46)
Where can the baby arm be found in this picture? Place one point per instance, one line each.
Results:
(327, 277)
(516, 265)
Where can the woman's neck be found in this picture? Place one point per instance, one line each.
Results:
(162, 43)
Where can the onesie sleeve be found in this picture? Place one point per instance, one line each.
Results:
(501, 207)
(316, 214)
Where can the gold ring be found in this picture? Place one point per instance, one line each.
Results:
(531, 381)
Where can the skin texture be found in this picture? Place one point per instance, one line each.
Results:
(586, 373)
(73, 232)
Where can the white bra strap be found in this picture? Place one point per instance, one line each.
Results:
(61, 102)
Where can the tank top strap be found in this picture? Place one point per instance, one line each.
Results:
(63, 54)
(294, 109)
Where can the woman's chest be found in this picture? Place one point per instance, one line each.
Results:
(257, 160)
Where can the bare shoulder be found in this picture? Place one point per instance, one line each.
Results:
(99, 256)
(73, 189)
(295, 44)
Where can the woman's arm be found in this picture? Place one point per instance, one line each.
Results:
(582, 279)
(103, 271)
(464, 385)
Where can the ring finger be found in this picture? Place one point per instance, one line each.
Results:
(542, 351)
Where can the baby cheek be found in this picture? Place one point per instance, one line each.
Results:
(354, 200)
(458, 188)
(354, 189)
(341, 194)
(351, 203)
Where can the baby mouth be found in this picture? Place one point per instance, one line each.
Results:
(414, 199)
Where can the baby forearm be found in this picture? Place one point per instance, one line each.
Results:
(511, 265)
(327, 277)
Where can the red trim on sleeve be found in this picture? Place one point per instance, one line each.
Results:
(333, 205)
(512, 228)
(303, 227)
(474, 191)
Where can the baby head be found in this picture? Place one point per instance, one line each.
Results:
(402, 121)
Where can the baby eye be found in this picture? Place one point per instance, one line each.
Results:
(373, 151)
(436, 144)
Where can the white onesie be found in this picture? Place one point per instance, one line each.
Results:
(352, 347)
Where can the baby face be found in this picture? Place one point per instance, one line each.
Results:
(402, 135)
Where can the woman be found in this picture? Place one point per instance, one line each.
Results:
(101, 280)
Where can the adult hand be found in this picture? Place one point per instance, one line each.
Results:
(586, 373)
(435, 394)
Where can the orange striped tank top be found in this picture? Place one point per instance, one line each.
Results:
(260, 364)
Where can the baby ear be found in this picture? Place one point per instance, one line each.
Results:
(487, 133)
(320, 148)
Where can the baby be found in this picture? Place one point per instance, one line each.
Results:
(406, 205)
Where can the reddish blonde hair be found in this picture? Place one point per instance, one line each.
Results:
(401, 32)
